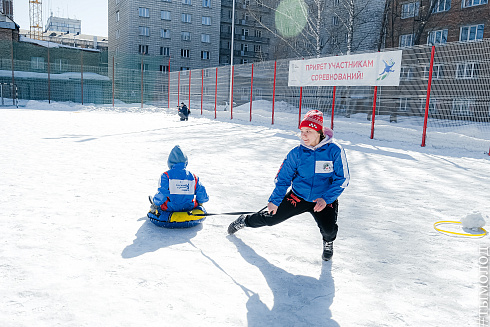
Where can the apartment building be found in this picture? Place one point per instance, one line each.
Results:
(252, 37)
(7, 8)
(64, 25)
(437, 22)
(184, 31)
(457, 29)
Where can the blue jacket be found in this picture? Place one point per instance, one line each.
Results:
(178, 186)
(313, 172)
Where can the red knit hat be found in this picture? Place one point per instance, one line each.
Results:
(313, 119)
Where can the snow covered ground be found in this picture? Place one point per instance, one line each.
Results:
(77, 250)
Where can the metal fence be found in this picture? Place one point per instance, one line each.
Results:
(459, 93)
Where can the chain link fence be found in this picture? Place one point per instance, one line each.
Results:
(459, 95)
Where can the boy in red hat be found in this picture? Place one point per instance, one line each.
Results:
(317, 173)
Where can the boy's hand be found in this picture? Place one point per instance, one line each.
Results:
(272, 208)
(154, 209)
(320, 205)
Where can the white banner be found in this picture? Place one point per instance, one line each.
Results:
(367, 69)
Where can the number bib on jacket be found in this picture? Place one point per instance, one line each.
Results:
(323, 167)
(178, 186)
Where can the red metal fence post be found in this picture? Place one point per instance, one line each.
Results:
(374, 110)
(333, 106)
(81, 71)
(251, 90)
(427, 99)
(202, 86)
(113, 81)
(232, 85)
(168, 91)
(274, 92)
(300, 101)
(215, 92)
(189, 105)
(178, 90)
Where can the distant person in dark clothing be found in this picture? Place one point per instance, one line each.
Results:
(184, 112)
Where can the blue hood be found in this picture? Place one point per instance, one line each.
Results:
(176, 156)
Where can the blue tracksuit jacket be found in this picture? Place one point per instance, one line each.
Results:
(178, 186)
(313, 172)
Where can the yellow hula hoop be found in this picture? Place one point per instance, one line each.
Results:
(456, 222)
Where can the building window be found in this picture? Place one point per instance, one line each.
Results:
(164, 69)
(466, 70)
(336, 2)
(144, 31)
(206, 38)
(206, 20)
(37, 63)
(246, 4)
(165, 15)
(187, 2)
(335, 20)
(406, 73)
(432, 105)
(404, 105)
(185, 53)
(410, 9)
(471, 33)
(117, 34)
(117, 16)
(145, 67)
(143, 49)
(258, 33)
(245, 31)
(166, 0)
(186, 18)
(206, 3)
(257, 48)
(437, 37)
(463, 107)
(244, 47)
(471, 3)
(406, 40)
(441, 6)
(184, 68)
(204, 54)
(164, 51)
(186, 36)
(144, 12)
(165, 33)
(244, 61)
(437, 71)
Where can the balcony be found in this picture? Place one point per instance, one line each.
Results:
(247, 38)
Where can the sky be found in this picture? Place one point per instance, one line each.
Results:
(92, 13)
(76, 248)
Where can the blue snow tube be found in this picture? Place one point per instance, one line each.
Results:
(184, 219)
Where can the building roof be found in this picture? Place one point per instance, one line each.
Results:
(7, 23)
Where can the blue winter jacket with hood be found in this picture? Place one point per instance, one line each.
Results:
(178, 187)
(313, 172)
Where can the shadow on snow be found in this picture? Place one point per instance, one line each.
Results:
(298, 300)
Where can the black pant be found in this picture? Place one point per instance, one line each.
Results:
(293, 205)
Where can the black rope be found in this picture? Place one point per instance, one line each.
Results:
(223, 213)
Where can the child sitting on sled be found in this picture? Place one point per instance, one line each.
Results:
(178, 189)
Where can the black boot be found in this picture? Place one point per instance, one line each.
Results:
(327, 250)
(238, 224)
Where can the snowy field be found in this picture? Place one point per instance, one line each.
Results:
(77, 249)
